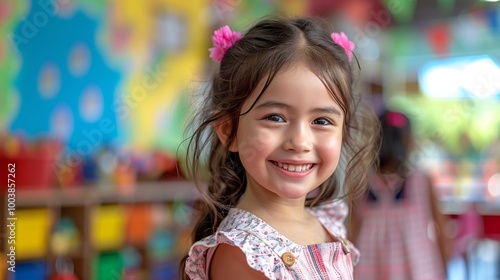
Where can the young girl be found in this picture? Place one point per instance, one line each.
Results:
(280, 115)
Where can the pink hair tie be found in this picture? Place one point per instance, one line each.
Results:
(342, 40)
(396, 119)
(222, 40)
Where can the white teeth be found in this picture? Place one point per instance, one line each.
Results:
(293, 168)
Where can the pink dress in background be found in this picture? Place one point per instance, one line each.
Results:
(396, 238)
(264, 247)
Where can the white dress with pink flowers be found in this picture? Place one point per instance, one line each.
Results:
(276, 256)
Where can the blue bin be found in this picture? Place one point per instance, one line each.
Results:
(32, 270)
(165, 271)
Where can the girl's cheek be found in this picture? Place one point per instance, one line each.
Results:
(330, 142)
(256, 142)
(264, 138)
(248, 154)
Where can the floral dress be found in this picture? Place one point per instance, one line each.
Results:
(274, 255)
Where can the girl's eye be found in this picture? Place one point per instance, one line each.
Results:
(322, 121)
(275, 118)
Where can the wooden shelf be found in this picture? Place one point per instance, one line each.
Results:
(459, 207)
(77, 203)
(76, 196)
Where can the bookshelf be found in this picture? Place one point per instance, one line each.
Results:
(108, 222)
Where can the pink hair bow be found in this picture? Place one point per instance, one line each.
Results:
(222, 40)
(342, 40)
(396, 119)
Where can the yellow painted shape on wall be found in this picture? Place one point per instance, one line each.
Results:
(32, 230)
(172, 75)
(293, 7)
(108, 227)
(134, 16)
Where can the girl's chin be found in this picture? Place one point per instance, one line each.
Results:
(292, 194)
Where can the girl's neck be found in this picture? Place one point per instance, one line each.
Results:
(289, 217)
(272, 208)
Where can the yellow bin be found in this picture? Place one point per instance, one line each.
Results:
(31, 233)
(108, 227)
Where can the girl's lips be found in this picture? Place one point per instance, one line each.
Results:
(300, 167)
(305, 169)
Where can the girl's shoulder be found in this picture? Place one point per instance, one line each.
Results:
(332, 216)
(262, 245)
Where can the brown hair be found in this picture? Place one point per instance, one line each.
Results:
(395, 143)
(268, 47)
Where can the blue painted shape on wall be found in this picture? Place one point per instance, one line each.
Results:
(43, 95)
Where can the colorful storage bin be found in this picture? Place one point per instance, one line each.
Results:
(139, 223)
(32, 230)
(32, 270)
(32, 163)
(165, 271)
(108, 227)
(107, 266)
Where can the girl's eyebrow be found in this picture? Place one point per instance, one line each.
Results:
(328, 110)
(272, 104)
(279, 105)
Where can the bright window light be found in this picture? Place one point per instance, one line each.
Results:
(466, 77)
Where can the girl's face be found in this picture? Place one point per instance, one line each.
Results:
(289, 143)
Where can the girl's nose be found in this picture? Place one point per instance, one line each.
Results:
(299, 139)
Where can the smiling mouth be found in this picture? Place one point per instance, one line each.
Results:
(293, 167)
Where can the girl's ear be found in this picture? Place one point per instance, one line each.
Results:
(223, 130)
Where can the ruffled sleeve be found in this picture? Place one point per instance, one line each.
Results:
(196, 263)
(259, 254)
(332, 215)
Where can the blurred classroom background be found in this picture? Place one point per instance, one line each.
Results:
(94, 99)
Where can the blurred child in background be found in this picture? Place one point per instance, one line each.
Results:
(397, 225)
